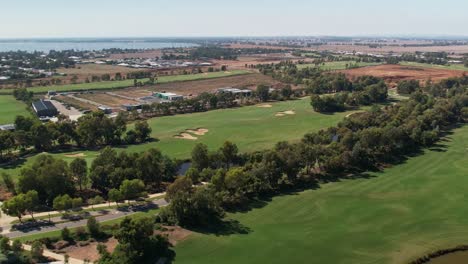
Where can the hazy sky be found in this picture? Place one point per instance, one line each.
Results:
(109, 18)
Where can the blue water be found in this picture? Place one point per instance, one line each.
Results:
(97, 44)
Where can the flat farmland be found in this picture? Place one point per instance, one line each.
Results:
(395, 73)
(133, 92)
(388, 217)
(197, 87)
(109, 85)
(76, 103)
(10, 108)
(106, 99)
(338, 65)
(459, 67)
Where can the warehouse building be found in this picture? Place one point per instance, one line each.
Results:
(44, 108)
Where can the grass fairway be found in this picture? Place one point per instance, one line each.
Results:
(393, 217)
(10, 108)
(128, 83)
(459, 67)
(337, 65)
(251, 128)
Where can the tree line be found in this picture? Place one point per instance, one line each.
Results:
(361, 142)
(91, 130)
(50, 182)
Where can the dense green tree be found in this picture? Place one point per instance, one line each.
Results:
(408, 86)
(79, 170)
(63, 202)
(137, 243)
(49, 176)
(115, 196)
(93, 226)
(132, 189)
(200, 159)
(229, 153)
(263, 92)
(21, 204)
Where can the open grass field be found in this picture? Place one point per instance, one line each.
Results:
(338, 65)
(390, 217)
(127, 83)
(251, 128)
(10, 108)
(459, 67)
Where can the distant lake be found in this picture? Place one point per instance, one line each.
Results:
(96, 44)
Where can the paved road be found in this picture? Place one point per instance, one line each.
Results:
(112, 215)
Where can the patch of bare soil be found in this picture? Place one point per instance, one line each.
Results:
(77, 155)
(198, 131)
(392, 74)
(284, 113)
(185, 136)
(264, 105)
(175, 234)
(89, 251)
(106, 99)
(211, 85)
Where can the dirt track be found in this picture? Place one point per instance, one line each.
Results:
(395, 73)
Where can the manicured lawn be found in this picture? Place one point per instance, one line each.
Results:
(337, 65)
(10, 108)
(251, 128)
(127, 83)
(391, 217)
(459, 67)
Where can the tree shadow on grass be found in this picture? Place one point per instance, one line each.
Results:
(224, 227)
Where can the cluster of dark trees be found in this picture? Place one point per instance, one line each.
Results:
(91, 130)
(373, 93)
(137, 243)
(13, 253)
(52, 182)
(362, 142)
(110, 169)
(23, 94)
(440, 58)
(214, 52)
(408, 86)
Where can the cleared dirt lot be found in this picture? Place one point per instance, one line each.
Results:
(106, 99)
(75, 103)
(395, 73)
(210, 85)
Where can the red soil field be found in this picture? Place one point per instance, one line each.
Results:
(395, 73)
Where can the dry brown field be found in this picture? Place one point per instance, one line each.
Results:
(211, 85)
(106, 99)
(395, 73)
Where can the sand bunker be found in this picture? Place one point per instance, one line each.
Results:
(289, 112)
(77, 155)
(185, 136)
(265, 106)
(198, 131)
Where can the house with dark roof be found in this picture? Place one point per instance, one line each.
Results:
(44, 108)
